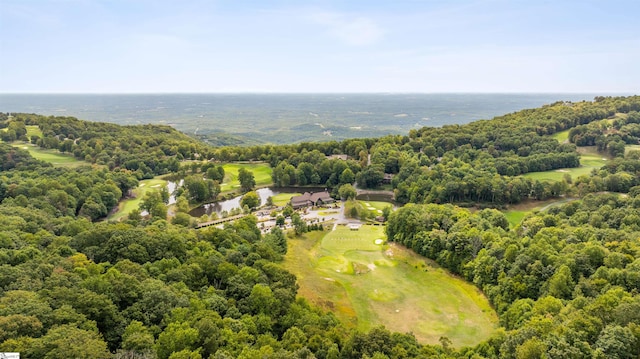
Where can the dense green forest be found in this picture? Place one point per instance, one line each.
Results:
(564, 281)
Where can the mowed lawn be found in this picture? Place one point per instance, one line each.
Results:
(562, 136)
(375, 206)
(367, 283)
(125, 207)
(515, 216)
(589, 159)
(33, 130)
(55, 157)
(261, 173)
(515, 213)
(282, 199)
(629, 148)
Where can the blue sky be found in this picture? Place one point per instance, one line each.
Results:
(129, 46)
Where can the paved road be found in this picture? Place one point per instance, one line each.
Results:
(321, 215)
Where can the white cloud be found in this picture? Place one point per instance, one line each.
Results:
(357, 31)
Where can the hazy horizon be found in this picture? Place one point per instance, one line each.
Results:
(285, 117)
(285, 46)
(622, 93)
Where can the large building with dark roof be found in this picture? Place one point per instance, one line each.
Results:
(311, 199)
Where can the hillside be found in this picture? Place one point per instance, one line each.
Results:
(564, 281)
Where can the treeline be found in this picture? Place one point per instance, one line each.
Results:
(148, 150)
(453, 180)
(505, 146)
(314, 168)
(609, 136)
(564, 282)
(145, 288)
(60, 192)
(476, 162)
(12, 157)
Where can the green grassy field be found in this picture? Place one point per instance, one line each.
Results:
(374, 205)
(515, 216)
(282, 199)
(366, 283)
(126, 206)
(515, 213)
(366, 209)
(589, 159)
(561, 136)
(55, 157)
(33, 130)
(261, 173)
(628, 148)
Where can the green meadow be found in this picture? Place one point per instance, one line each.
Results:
(261, 173)
(366, 209)
(55, 157)
(282, 199)
(515, 216)
(629, 148)
(561, 136)
(590, 159)
(515, 213)
(126, 206)
(376, 206)
(33, 130)
(367, 282)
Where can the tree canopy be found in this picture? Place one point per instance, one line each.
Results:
(565, 281)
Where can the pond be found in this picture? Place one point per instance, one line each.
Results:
(171, 188)
(378, 197)
(263, 193)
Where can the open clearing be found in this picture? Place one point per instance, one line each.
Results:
(282, 199)
(375, 206)
(55, 157)
(368, 283)
(515, 217)
(562, 136)
(629, 148)
(367, 209)
(261, 173)
(126, 206)
(589, 159)
(515, 213)
(33, 130)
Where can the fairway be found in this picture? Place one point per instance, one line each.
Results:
(629, 148)
(126, 206)
(367, 282)
(55, 157)
(261, 173)
(562, 136)
(367, 210)
(515, 216)
(375, 206)
(33, 130)
(515, 213)
(590, 159)
(282, 199)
